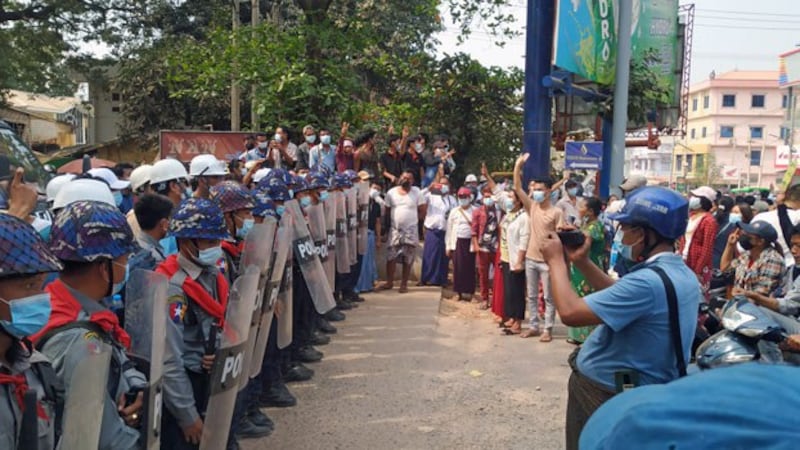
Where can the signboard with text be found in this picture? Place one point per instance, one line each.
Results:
(185, 145)
(583, 155)
(782, 157)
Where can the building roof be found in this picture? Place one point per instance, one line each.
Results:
(739, 79)
(749, 75)
(40, 103)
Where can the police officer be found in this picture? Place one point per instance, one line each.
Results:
(206, 171)
(196, 298)
(319, 185)
(93, 241)
(152, 213)
(24, 310)
(343, 291)
(168, 177)
(637, 340)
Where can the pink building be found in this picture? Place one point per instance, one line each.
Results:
(736, 123)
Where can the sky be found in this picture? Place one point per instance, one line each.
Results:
(728, 35)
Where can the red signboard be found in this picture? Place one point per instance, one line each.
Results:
(185, 145)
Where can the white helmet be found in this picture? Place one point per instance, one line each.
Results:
(206, 165)
(83, 189)
(109, 177)
(261, 174)
(55, 185)
(167, 170)
(140, 176)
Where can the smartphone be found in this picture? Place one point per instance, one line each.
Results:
(572, 238)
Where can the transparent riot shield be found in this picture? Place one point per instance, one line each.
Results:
(229, 360)
(362, 193)
(305, 256)
(284, 303)
(352, 224)
(146, 322)
(315, 215)
(342, 245)
(257, 254)
(329, 206)
(85, 400)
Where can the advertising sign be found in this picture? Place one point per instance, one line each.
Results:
(583, 155)
(185, 145)
(586, 37)
(782, 157)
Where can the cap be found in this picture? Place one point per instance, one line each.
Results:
(232, 196)
(760, 206)
(108, 176)
(198, 218)
(471, 179)
(761, 229)
(364, 175)
(22, 250)
(86, 231)
(347, 143)
(633, 182)
(707, 192)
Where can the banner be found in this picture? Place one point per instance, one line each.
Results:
(583, 155)
(782, 156)
(586, 37)
(185, 145)
(730, 173)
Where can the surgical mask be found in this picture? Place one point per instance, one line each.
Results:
(445, 189)
(278, 138)
(45, 233)
(311, 139)
(508, 205)
(572, 192)
(418, 147)
(463, 201)
(538, 196)
(291, 193)
(279, 210)
(118, 286)
(373, 193)
(117, 197)
(187, 193)
(28, 315)
(208, 257)
(169, 245)
(247, 225)
(323, 195)
(263, 145)
(305, 202)
(734, 218)
(694, 203)
(488, 201)
(625, 250)
(745, 242)
(326, 140)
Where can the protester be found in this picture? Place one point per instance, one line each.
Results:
(168, 177)
(322, 157)
(485, 227)
(366, 157)
(786, 216)
(345, 157)
(304, 149)
(629, 309)
(569, 204)
(152, 213)
(288, 150)
(369, 268)
(759, 268)
(438, 205)
(514, 243)
(412, 162)
(392, 160)
(459, 245)
(589, 210)
(404, 205)
(701, 232)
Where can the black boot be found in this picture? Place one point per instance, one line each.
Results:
(318, 338)
(277, 396)
(325, 326)
(297, 372)
(249, 430)
(255, 416)
(335, 315)
(308, 354)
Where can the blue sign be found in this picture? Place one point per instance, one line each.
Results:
(584, 155)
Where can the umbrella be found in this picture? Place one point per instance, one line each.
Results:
(76, 165)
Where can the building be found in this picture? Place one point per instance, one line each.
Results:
(735, 125)
(653, 164)
(107, 104)
(47, 123)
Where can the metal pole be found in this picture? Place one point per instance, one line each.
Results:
(255, 19)
(749, 159)
(235, 92)
(538, 104)
(761, 160)
(622, 81)
(792, 115)
(672, 165)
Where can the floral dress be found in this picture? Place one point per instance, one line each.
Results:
(597, 254)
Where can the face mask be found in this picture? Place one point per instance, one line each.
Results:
(250, 146)
(311, 139)
(553, 196)
(463, 201)
(326, 140)
(373, 193)
(187, 193)
(45, 233)
(745, 242)
(279, 210)
(418, 147)
(538, 196)
(263, 145)
(28, 315)
(118, 286)
(445, 189)
(572, 192)
(247, 225)
(508, 204)
(117, 197)
(406, 184)
(169, 245)
(305, 202)
(323, 195)
(694, 203)
(488, 201)
(625, 250)
(208, 257)
(278, 138)
(734, 218)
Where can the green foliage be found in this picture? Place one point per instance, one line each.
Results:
(648, 90)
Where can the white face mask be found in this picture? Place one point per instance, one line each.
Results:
(694, 203)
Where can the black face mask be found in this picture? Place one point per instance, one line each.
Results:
(250, 146)
(745, 242)
(406, 184)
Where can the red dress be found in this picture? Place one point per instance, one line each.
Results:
(497, 290)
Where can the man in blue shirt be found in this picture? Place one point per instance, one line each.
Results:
(323, 156)
(634, 335)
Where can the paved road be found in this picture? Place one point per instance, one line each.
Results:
(405, 372)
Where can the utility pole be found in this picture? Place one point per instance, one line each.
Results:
(749, 160)
(255, 19)
(236, 119)
(621, 85)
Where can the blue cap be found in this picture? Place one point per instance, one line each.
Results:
(317, 180)
(87, 231)
(22, 249)
(663, 210)
(198, 218)
(280, 174)
(265, 207)
(761, 229)
(341, 181)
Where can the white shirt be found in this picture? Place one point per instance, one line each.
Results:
(459, 226)
(771, 217)
(404, 207)
(438, 208)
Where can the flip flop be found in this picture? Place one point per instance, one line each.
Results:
(510, 332)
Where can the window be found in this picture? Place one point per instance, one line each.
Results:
(115, 109)
(784, 133)
(706, 101)
(692, 134)
(757, 101)
(785, 102)
(698, 161)
(726, 131)
(728, 101)
(755, 158)
(115, 97)
(679, 162)
(689, 163)
(694, 104)
(756, 132)
(703, 132)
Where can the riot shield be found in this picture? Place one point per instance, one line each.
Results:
(269, 286)
(229, 360)
(305, 256)
(362, 192)
(284, 303)
(342, 246)
(257, 254)
(86, 398)
(352, 224)
(146, 322)
(316, 225)
(329, 206)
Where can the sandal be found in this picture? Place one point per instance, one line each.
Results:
(529, 333)
(384, 287)
(403, 289)
(546, 337)
(510, 331)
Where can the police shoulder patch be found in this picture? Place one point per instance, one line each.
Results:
(177, 308)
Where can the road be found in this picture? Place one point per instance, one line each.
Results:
(411, 372)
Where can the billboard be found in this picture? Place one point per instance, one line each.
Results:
(586, 37)
(789, 68)
(782, 156)
(185, 145)
(583, 155)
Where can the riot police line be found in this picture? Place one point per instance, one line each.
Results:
(215, 313)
